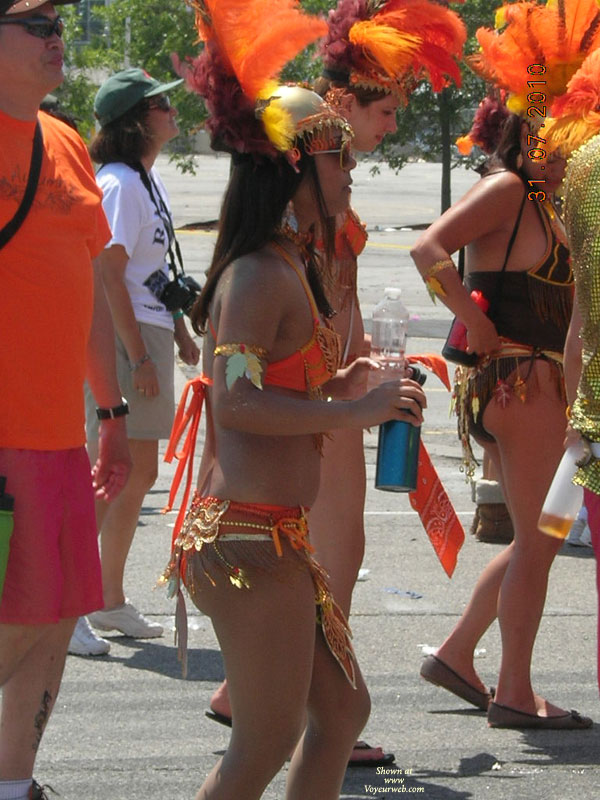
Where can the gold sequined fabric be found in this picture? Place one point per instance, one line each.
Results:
(582, 218)
(199, 546)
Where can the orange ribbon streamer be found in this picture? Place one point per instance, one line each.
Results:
(437, 514)
(185, 417)
(435, 364)
(430, 499)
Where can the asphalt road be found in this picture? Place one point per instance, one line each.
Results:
(127, 727)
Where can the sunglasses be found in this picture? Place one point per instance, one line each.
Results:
(40, 27)
(344, 151)
(160, 103)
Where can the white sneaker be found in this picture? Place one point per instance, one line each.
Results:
(84, 642)
(127, 619)
(580, 534)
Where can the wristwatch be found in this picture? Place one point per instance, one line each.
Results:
(114, 412)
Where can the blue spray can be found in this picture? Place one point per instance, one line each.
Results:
(398, 445)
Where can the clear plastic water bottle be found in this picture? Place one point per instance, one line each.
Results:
(398, 445)
(388, 336)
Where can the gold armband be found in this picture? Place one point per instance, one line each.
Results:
(434, 287)
(243, 360)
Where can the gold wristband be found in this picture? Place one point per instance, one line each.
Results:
(444, 263)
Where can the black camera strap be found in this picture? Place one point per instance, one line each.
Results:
(163, 212)
(13, 225)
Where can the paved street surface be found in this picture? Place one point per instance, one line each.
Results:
(127, 727)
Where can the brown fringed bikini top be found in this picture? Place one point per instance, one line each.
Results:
(532, 306)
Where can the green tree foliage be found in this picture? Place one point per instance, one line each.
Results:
(137, 33)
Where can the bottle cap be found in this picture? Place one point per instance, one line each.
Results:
(393, 292)
(7, 502)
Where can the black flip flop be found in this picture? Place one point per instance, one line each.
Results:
(369, 763)
(222, 719)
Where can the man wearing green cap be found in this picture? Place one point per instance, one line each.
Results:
(57, 331)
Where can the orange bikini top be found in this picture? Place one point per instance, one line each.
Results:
(306, 369)
(317, 362)
(351, 234)
(312, 365)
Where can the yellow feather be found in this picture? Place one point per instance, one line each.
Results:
(569, 133)
(518, 104)
(279, 126)
(500, 18)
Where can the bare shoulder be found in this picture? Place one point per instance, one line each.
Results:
(261, 280)
(499, 191)
(263, 272)
(489, 207)
(491, 204)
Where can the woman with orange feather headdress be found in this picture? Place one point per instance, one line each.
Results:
(575, 130)
(511, 401)
(375, 55)
(242, 548)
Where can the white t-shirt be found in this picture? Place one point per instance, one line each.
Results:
(137, 226)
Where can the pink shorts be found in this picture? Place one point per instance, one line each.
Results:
(53, 566)
(592, 504)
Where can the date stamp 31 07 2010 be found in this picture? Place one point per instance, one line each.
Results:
(537, 112)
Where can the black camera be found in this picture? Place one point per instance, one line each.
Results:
(180, 293)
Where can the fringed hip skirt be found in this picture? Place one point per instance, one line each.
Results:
(230, 537)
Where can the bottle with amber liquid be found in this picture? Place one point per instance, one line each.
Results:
(564, 498)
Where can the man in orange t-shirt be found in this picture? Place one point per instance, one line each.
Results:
(56, 331)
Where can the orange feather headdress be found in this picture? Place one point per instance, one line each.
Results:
(237, 72)
(557, 35)
(576, 115)
(389, 45)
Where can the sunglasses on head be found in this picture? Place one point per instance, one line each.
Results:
(344, 150)
(40, 27)
(160, 103)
